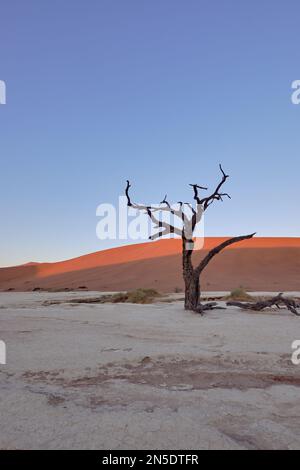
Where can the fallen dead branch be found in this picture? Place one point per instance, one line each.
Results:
(277, 301)
(201, 308)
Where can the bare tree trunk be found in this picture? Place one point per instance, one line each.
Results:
(191, 275)
(192, 292)
(191, 279)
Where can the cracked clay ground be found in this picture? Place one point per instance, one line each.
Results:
(145, 377)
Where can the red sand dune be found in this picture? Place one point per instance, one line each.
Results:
(257, 264)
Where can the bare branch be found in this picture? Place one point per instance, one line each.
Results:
(168, 208)
(219, 248)
(258, 306)
(127, 193)
(197, 215)
(164, 201)
(168, 228)
(195, 188)
(201, 308)
(216, 195)
(164, 227)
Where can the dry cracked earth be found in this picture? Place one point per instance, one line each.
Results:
(146, 377)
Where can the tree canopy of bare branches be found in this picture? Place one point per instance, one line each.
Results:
(186, 218)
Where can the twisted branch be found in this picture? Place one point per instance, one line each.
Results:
(216, 195)
(277, 300)
(219, 248)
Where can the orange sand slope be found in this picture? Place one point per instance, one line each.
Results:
(257, 264)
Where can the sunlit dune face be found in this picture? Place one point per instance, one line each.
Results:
(144, 251)
(260, 264)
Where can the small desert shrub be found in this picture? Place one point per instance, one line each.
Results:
(239, 294)
(137, 296)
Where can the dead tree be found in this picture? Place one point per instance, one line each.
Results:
(188, 217)
(278, 300)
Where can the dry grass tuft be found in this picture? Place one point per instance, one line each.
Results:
(239, 294)
(137, 296)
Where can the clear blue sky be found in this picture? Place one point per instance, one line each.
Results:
(156, 91)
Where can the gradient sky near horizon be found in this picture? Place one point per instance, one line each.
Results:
(158, 92)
